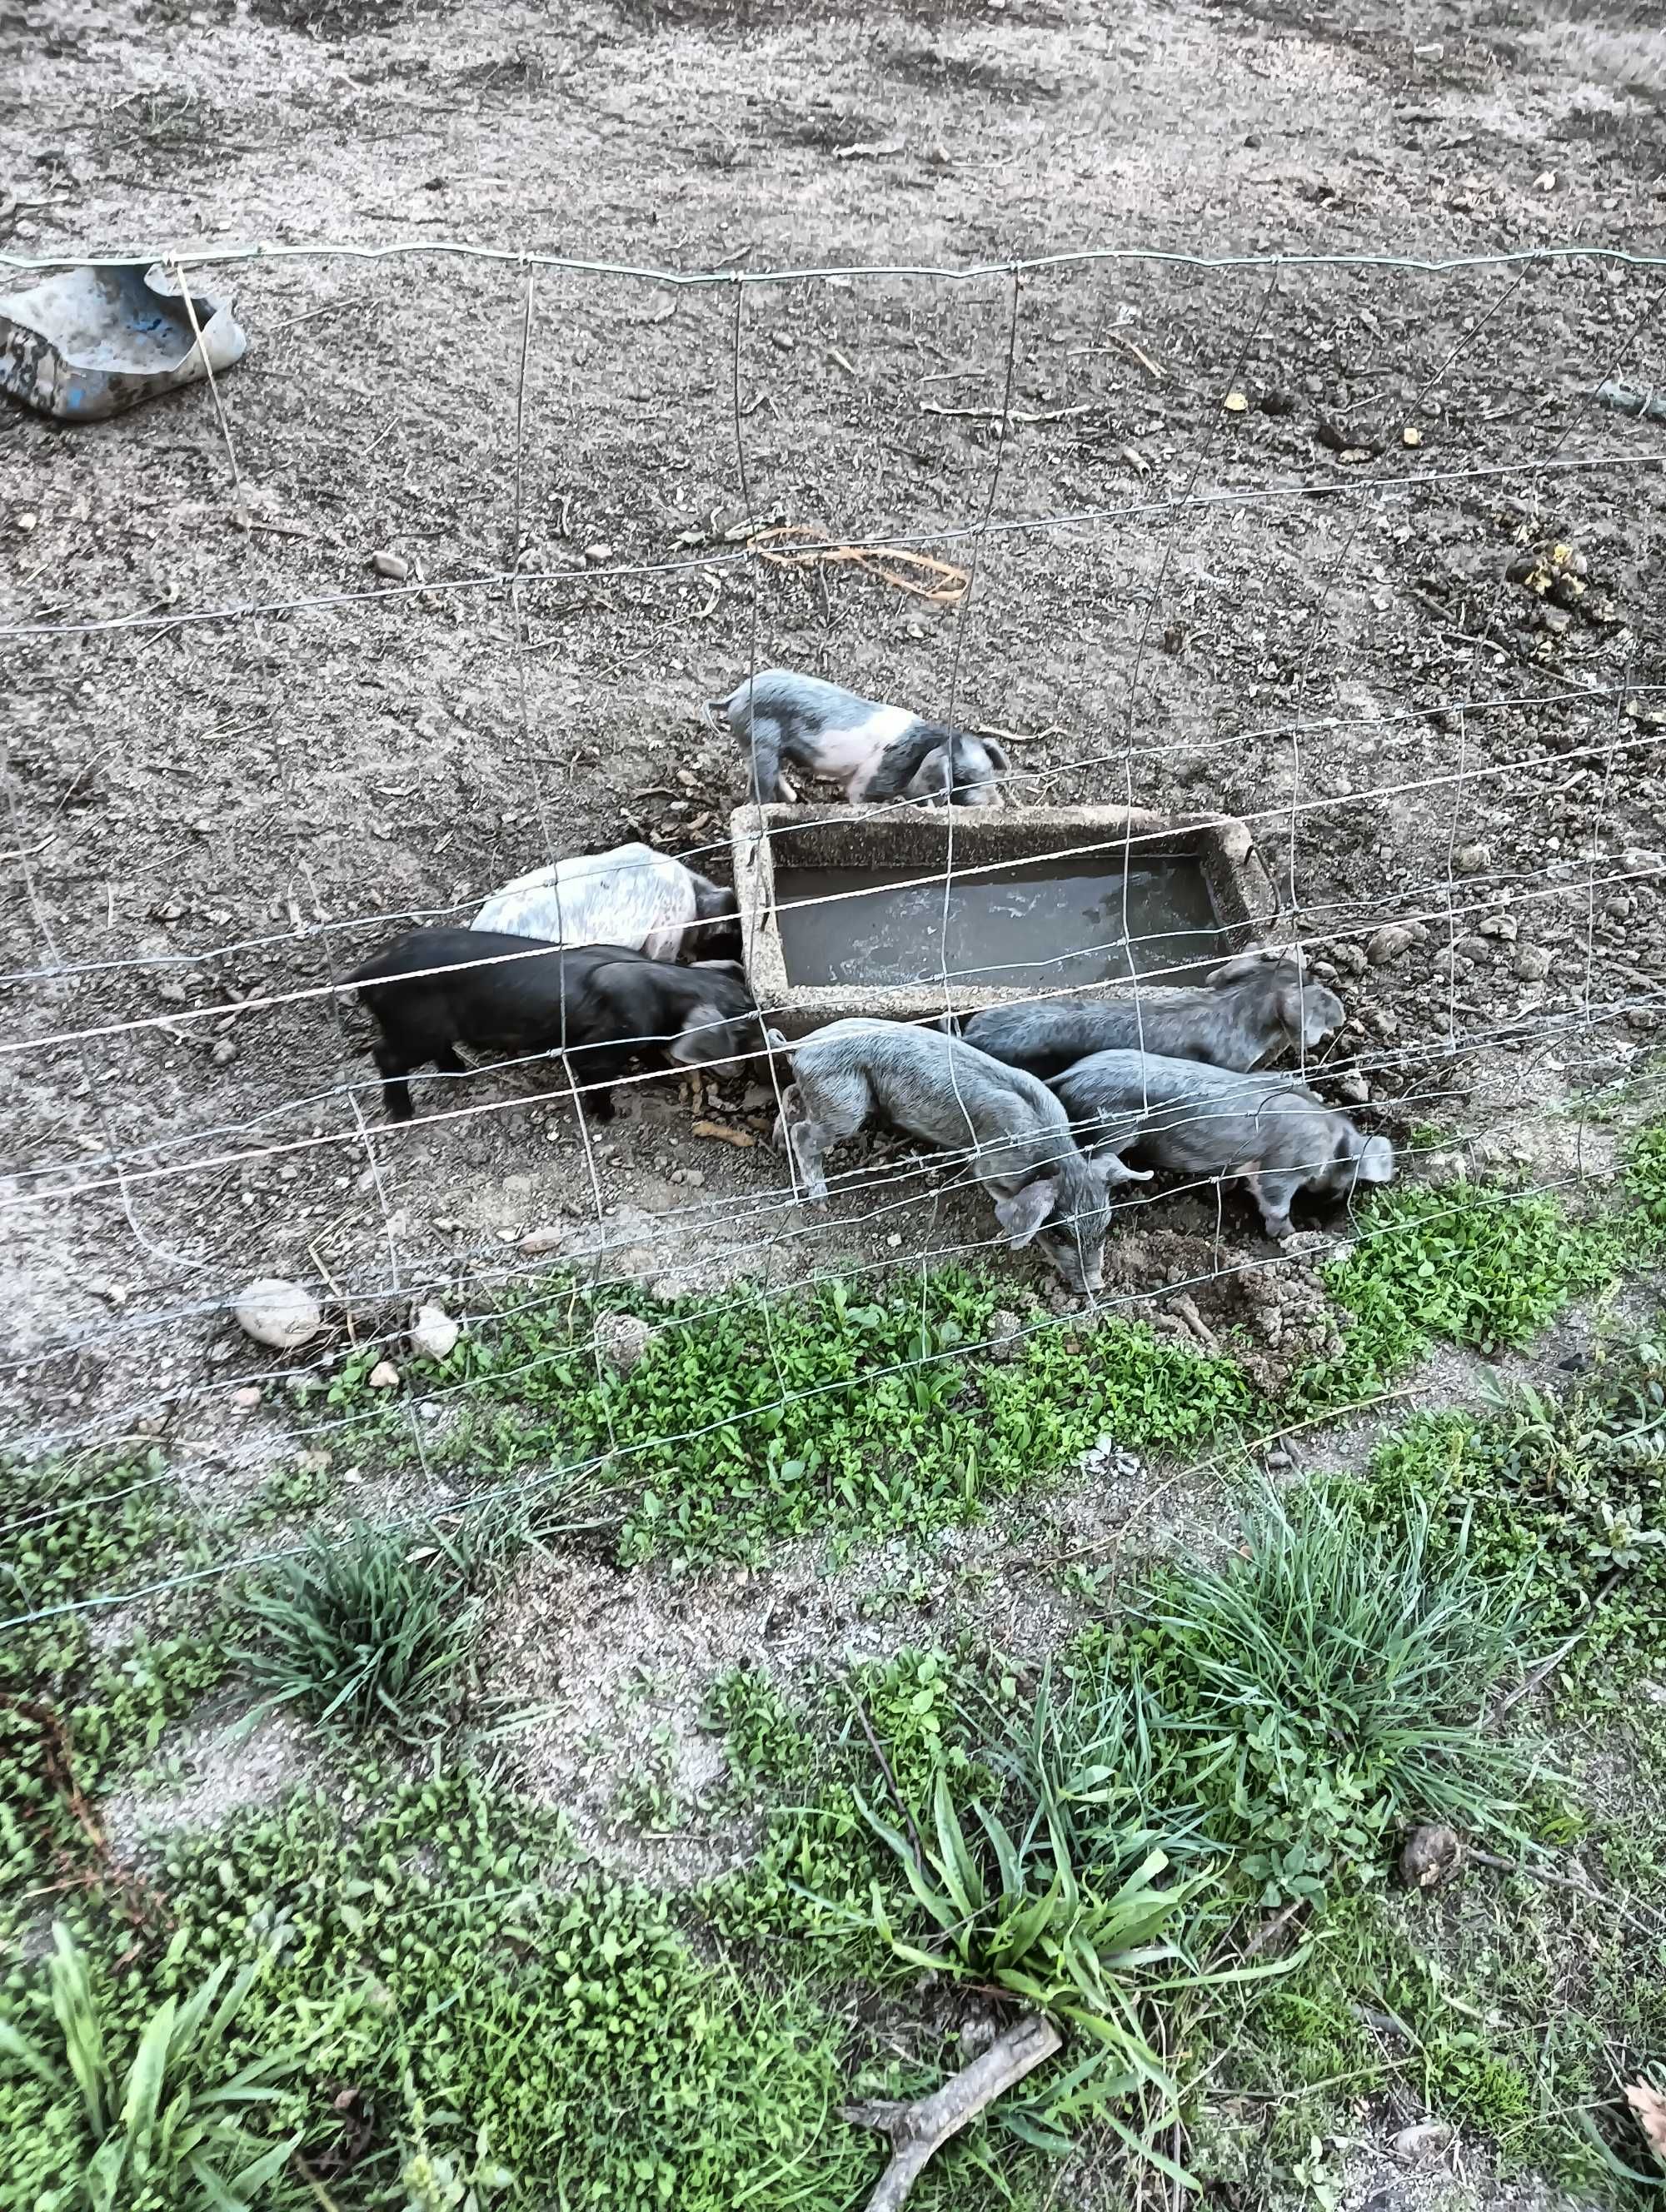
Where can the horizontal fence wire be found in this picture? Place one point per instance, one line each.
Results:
(489, 1287)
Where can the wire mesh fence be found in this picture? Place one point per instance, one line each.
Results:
(1348, 549)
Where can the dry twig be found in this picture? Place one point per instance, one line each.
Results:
(915, 2130)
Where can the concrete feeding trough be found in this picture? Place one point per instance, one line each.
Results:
(842, 914)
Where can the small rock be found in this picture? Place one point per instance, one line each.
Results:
(598, 554)
(393, 566)
(224, 1052)
(1431, 1856)
(384, 1376)
(1426, 2140)
(313, 1461)
(1349, 956)
(1473, 859)
(1352, 1088)
(622, 1338)
(1236, 403)
(433, 1333)
(1278, 402)
(1498, 925)
(277, 1313)
(1471, 948)
(1006, 1336)
(1411, 435)
(1441, 1168)
(1638, 861)
(1533, 964)
(549, 1236)
(171, 993)
(1389, 943)
(248, 1396)
(757, 1098)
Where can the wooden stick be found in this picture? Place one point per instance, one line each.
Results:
(915, 2130)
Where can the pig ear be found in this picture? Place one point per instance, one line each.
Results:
(1113, 1169)
(997, 754)
(1376, 1161)
(1322, 1012)
(1235, 970)
(1023, 1214)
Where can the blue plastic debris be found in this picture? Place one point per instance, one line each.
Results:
(91, 341)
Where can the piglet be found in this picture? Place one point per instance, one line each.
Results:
(436, 989)
(1013, 1128)
(1245, 1012)
(879, 754)
(631, 896)
(1201, 1121)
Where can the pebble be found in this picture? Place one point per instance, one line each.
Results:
(549, 1236)
(1427, 2139)
(1352, 1088)
(1637, 859)
(172, 992)
(1442, 1168)
(1006, 1336)
(245, 1397)
(384, 1376)
(1389, 943)
(433, 1333)
(1533, 964)
(1473, 859)
(277, 1313)
(597, 554)
(393, 566)
(223, 1053)
(622, 1338)
(1498, 925)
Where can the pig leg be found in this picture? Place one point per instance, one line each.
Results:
(395, 1067)
(1273, 1193)
(825, 1114)
(766, 760)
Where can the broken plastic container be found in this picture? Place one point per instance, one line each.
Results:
(91, 341)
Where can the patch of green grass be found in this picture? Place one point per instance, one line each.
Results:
(860, 1414)
(1642, 1178)
(75, 1530)
(1332, 1681)
(1566, 1492)
(155, 2119)
(433, 1948)
(369, 1628)
(1470, 1264)
(73, 1719)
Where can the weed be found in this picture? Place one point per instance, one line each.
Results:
(371, 1629)
(1012, 1909)
(1474, 1264)
(1568, 1492)
(763, 1738)
(1332, 1681)
(176, 2121)
(1644, 1176)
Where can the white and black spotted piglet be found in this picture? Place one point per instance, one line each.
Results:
(801, 725)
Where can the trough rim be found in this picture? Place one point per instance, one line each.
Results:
(1250, 914)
